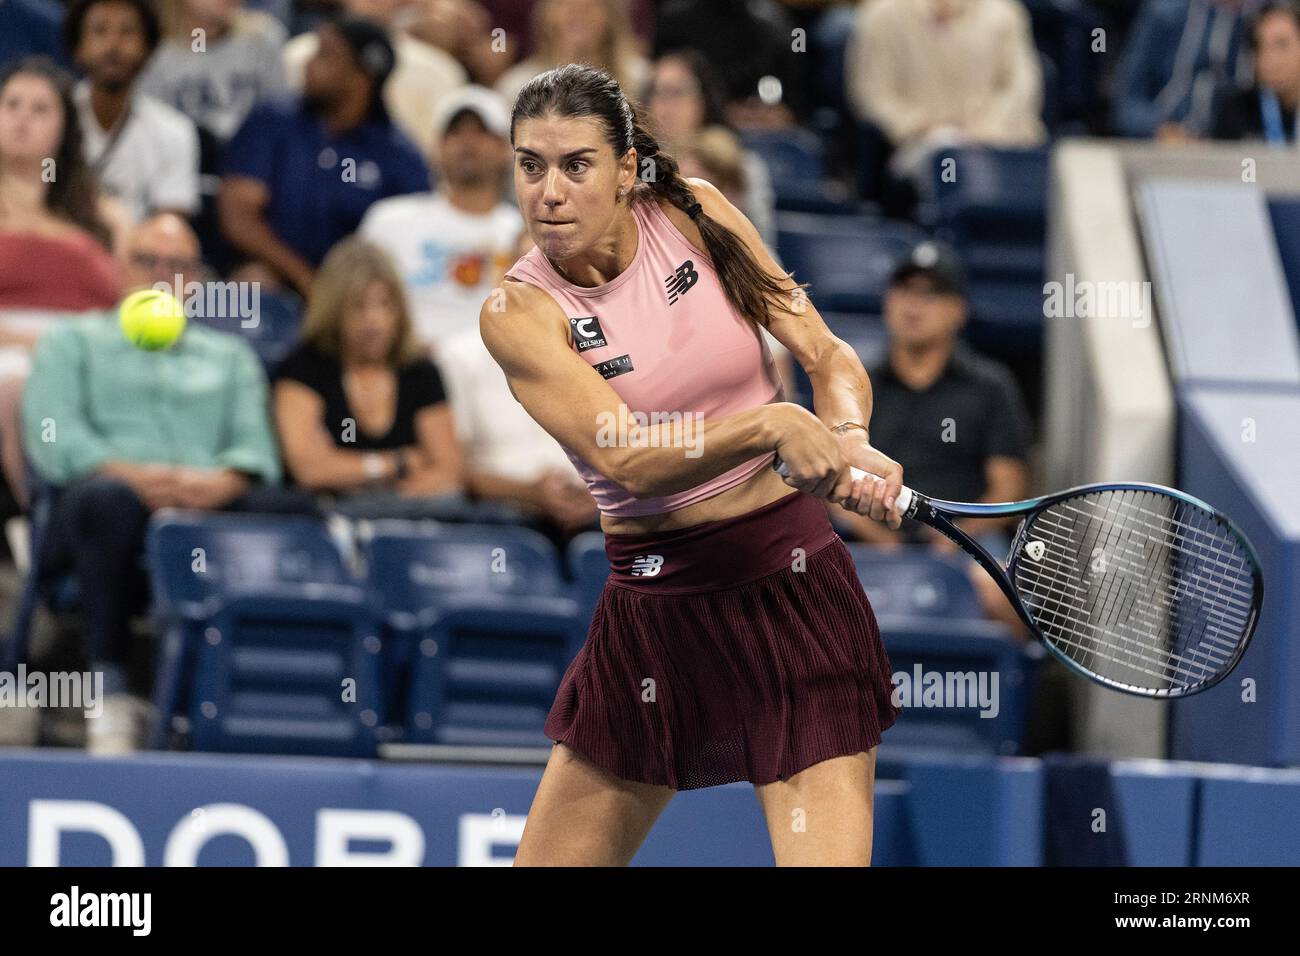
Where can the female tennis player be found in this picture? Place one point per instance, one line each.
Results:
(732, 640)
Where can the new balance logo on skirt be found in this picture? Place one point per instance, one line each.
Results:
(647, 565)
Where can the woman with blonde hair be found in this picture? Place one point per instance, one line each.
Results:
(360, 409)
(595, 32)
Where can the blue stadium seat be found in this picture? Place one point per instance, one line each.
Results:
(828, 41)
(915, 582)
(413, 566)
(994, 211)
(824, 199)
(930, 617)
(486, 669)
(961, 653)
(588, 567)
(416, 570)
(795, 157)
(260, 624)
(995, 195)
(847, 261)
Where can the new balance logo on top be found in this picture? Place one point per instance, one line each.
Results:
(647, 565)
(681, 281)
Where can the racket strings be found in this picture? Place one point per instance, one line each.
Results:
(1119, 596)
(1139, 587)
(1231, 610)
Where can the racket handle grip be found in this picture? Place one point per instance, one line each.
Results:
(901, 503)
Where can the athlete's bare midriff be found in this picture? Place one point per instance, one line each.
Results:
(760, 489)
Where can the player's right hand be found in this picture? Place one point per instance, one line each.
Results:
(813, 454)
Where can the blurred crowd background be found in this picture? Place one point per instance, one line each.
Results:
(351, 163)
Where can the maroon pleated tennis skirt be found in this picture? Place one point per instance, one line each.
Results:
(739, 649)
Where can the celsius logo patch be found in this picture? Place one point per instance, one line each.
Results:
(681, 281)
(587, 333)
(647, 565)
(614, 366)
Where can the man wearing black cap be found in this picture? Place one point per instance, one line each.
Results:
(956, 419)
(300, 174)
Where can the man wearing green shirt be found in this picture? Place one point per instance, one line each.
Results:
(123, 432)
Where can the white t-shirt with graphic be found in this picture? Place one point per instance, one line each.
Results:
(449, 259)
(498, 436)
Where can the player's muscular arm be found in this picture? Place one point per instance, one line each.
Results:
(567, 397)
(841, 388)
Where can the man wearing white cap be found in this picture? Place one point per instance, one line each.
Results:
(451, 245)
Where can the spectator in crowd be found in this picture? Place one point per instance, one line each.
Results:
(580, 31)
(685, 97)
(714, 153)
(1181, 56)
(101, 420)
(145, 153)
(360, 410)
(1267, 110)
(216, 61)
(937, 73)
(422, 75)
(159, 251)
(29, 28)
(955, 419)
(453, 245)
(514, 17)
(515, 471)
(54, 237)
(484, 42)
(300, 174)
(751, 44)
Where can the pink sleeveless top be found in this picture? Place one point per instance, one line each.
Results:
(665, 337)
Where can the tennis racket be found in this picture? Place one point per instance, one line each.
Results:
(1138, 587)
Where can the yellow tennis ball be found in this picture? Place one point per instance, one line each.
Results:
(151, 319)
